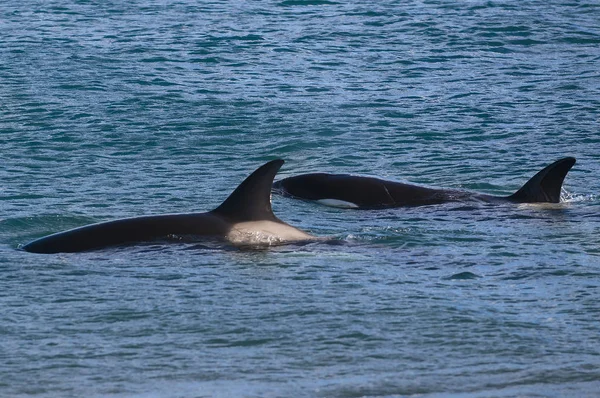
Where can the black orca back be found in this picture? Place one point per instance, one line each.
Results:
(250, 201)
(373, 193)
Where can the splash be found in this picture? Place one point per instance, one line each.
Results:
(568, 197)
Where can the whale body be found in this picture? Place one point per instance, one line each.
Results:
(358, 192)
(245, 217)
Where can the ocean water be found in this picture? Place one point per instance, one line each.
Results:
(112, 109)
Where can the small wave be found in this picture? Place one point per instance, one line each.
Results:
(463, 276)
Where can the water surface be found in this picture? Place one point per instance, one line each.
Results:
(112, 110)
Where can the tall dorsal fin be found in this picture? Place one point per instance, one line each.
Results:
(251, 200)
(545, 186)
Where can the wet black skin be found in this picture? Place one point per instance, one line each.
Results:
(249, 204)
(375, 193)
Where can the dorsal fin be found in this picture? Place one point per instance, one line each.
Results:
(251, 200)
(545, 186)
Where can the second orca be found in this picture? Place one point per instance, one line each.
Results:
(359, 192)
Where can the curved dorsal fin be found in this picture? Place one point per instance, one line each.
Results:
(251, 200)
(545, 186)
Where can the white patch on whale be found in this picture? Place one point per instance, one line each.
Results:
(265, 233)
(338, 203)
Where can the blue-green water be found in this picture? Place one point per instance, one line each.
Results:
(111, 109)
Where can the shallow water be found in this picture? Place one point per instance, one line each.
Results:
(113, 110)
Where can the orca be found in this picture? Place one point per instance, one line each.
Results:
(244, 218)
(358, 192)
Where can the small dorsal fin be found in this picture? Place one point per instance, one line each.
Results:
(251, 200)
(546, 185)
